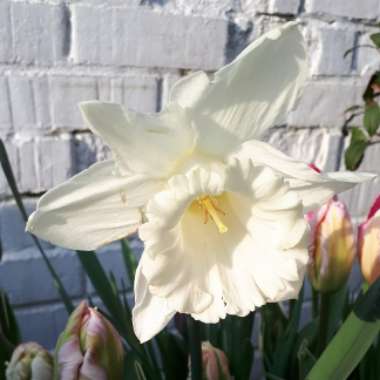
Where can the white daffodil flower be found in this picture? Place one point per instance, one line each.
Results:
(221, 213)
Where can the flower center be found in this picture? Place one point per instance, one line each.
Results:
(211, 210)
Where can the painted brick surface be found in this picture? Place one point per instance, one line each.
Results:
(284, 6)
(323, 103)
(5, 31)
(146, 39)
(369, 9)
(5, 108)
(38, 32)
(25, 277)
(329, 49)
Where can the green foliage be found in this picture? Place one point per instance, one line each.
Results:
(355, 152)
(376, 39)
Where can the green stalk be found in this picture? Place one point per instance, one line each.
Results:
(195, 349)
(324, 321)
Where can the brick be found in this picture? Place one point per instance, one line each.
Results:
(41, 91)
(5, 108)
(368, 9)
(284, 6)
(42, 324)
(38, 31)
(323, 103)
(28, 180)
(328, 50)
(251, 7)
(145, 38)
(361, 197)
(320, 146)
(136, 93)
(5, 33)
(53, 160)
(66, 93)
(22, 98)
(211, 8)
(26, 279)
(12, 227)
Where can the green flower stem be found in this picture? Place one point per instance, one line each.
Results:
(324, 321)
(195, 349)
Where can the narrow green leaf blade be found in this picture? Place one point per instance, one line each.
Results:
(353, 339)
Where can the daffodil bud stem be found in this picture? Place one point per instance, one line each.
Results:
(195, 349)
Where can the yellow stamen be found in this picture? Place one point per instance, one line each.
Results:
(210, 209)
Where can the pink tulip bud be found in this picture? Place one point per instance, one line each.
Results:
(30, 361)
(88, 348)
(332, 246)
(369, 244)
(215, 363)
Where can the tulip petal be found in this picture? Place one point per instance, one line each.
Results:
(150, 314)
(312, 187)
(93, 208)
(252, 93)
(149, 144)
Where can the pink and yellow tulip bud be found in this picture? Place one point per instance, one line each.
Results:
(332, 246)
(215, 363)
(30, 361)
(369, 244)
(89, 348)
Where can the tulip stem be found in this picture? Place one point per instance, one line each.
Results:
(324, 321)
(195, 349)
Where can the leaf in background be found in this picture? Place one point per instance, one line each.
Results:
(375, 39)
(371, 118)
(273, 326)
(285, 344)
(355, 152)
(5, 164)
(237, 344)
(129, 259)
(174, 356)
(353, 339)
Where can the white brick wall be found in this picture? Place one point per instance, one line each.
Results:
(56, 53)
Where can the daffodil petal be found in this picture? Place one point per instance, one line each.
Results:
(145, 144)
(312, 187)
(93, 208)
(209, 274)
(252, 93)
(150, 313)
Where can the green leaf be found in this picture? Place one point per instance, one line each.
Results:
(129, 259)
(174, 356)
(236, 343)
(355, 152)
(285, 345)
(375, 39)
(5, 164)
(371, 118)
(353, 339)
